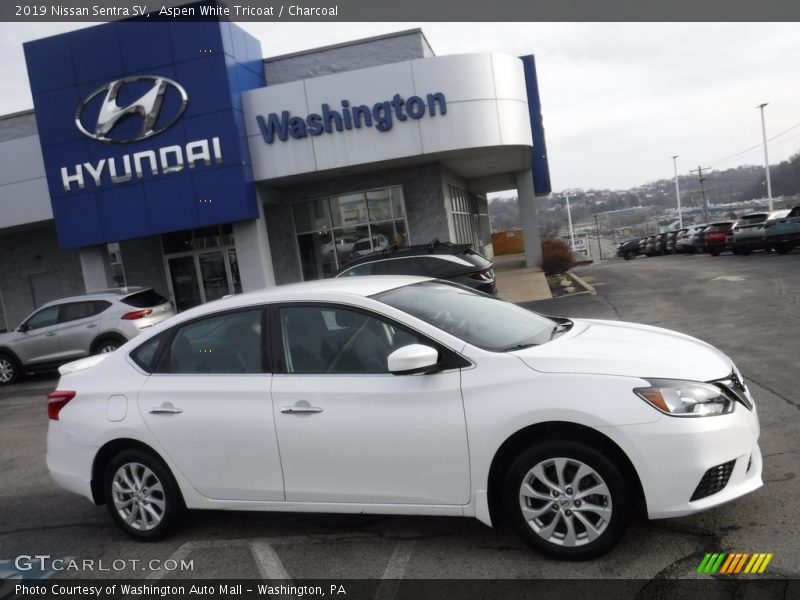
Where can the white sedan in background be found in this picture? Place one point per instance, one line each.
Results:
(404, 395)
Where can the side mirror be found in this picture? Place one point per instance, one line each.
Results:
(23, 327)
(414, 358)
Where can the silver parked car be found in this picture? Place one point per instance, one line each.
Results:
(70, 328)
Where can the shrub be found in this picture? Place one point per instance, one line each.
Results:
(556, 256)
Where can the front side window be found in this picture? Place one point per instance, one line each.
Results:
(44, 318)
(330, 340)
(478, 319)
(230, 343)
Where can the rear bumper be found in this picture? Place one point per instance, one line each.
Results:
(70, 464)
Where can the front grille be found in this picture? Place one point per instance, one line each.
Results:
(714, 480)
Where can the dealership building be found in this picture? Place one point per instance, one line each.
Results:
(174, 156)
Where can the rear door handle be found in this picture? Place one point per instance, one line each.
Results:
(51, 334)
(300, 409)
(165, 409)
(92, 325)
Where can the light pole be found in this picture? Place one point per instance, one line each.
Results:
(766, 156)
(678, 191)
(569, 222)
(597, 229)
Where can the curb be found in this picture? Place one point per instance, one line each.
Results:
(583, 284)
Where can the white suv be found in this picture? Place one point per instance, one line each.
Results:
(70, 328)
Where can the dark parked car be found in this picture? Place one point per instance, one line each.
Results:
(783, 234)
(629, 249)
(748, 233)
(454, 262)
(716, 237)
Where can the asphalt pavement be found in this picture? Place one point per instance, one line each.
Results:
(747, 306)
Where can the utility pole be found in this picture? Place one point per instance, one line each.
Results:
(678, 191)
(597, 229)
(766, 156)
(699, 172)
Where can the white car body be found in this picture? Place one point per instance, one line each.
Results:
(413, 445)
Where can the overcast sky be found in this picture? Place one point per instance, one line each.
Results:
(618, 99)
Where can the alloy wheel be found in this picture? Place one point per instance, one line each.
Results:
(138, 496)
(6, 370)
(565, 502)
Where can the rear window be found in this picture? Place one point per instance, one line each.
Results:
(474, 258)
(144, 299)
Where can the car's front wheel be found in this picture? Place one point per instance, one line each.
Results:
(142, 495)
(567, 500)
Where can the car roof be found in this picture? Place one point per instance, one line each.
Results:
(109, 294)
(309, 291)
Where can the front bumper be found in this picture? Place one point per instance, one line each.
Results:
(672, 455)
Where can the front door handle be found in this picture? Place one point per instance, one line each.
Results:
(165, 409)
(300, 409)
(51, 334)
(91, 325)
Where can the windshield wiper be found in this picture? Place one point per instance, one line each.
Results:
(518, 347)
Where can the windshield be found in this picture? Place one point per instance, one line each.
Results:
(478, 319)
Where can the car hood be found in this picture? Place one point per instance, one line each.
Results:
(628, 350)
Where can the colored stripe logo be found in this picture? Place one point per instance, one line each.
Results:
(734, 563)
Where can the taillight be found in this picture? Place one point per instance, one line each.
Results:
(137, 314)
(56, 401)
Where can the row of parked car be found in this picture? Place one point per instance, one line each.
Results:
(778, 230)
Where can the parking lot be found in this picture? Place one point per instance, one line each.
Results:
(747, 306)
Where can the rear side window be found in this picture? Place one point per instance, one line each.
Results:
(144, 299)
(77, 310)
(795, 212)
(146, 354)
(226, 344)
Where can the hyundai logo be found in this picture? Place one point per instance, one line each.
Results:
(148, 106)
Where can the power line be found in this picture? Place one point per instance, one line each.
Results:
(757, 146)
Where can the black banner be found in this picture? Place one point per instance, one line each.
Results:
(706, 588)
(406, 11)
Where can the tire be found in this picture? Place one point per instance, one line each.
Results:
(745, 251)
(106, 344)
(714, 252)
(542, 510)
(783, 248)
(136, 479)
(10, 371)
(630, 255)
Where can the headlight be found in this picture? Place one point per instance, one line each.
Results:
(686, 398)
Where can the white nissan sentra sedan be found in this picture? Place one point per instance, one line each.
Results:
(405, 395)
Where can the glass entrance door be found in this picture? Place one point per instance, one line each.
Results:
(201, 265)
(183, 277)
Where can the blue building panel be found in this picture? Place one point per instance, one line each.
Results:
(158, 127)
(127, 201)
(96, 53)
(539, 163)
(142, 46)
(49, 64)
(77, 220)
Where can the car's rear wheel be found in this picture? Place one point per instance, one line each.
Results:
(567, 500)
(106, 345)
(142, 496)
(10, 371)
(783, 248)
